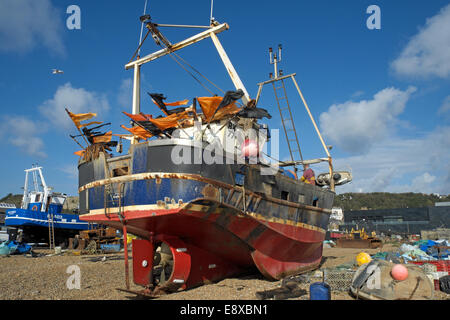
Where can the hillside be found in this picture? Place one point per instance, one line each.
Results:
(13, 199)
(381, 200)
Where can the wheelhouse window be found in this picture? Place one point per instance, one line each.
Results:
(118, 172)
(315, 202)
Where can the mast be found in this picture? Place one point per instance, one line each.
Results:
(137, 75)
(137, 90)
(25, 191)
(210, 32)
(229, 66)
(46, 190)
(278, 76)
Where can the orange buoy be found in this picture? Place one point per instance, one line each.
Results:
(399, 272)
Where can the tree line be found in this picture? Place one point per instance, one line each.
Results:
(383, 200)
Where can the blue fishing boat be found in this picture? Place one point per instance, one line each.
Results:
(30, 218)
(40, 216)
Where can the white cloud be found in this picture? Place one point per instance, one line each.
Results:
(357, 94)
(422, 182)
(125, 96)
(445, 108)
(356, 126)
(23, 133)
(24, 24)
(76, 100)
(428, 52)
(401, 165)
(71, 170)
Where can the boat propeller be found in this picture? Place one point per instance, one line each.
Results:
(163, 264)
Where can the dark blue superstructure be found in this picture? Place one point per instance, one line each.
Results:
(189, 183)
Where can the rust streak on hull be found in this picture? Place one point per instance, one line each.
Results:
(196, 177)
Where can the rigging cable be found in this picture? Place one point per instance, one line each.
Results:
(180, 61)
(195, 70)
(185, 62)
(142, 28)
(139, 48)
(190, 73)
(141, 42)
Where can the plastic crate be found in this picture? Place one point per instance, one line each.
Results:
(436, 285)
(442, 265)
(442, 269)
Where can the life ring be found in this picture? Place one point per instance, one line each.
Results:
(35, 208)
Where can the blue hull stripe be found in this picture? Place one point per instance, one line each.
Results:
(20, 217)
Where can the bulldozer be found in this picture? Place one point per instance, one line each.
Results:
(359, 239)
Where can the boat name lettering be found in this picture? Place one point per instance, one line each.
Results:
(55, 216)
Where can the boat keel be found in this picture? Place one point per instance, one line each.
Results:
(168, 264)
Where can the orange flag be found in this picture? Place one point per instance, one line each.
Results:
(209, 105)
(169, 121)
(176, 103)
(103, 138)
(80, 153)
(139, 132)
(77, 118)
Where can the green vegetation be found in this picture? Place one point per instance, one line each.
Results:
(13, 199)
(346, 201)
(382, 200)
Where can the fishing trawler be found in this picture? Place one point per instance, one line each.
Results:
(40, 215)
(196, 188)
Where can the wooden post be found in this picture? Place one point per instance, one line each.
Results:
(125, 251)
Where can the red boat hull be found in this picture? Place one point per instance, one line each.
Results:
(227, 239)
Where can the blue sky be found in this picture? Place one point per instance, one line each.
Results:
(380, 97)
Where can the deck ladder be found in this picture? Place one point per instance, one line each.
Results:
(277, 80)
(279, 88)
(51, 231)
(293, 144)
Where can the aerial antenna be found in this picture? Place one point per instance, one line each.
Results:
(211, 19)
(142, 28)
(275, 59)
